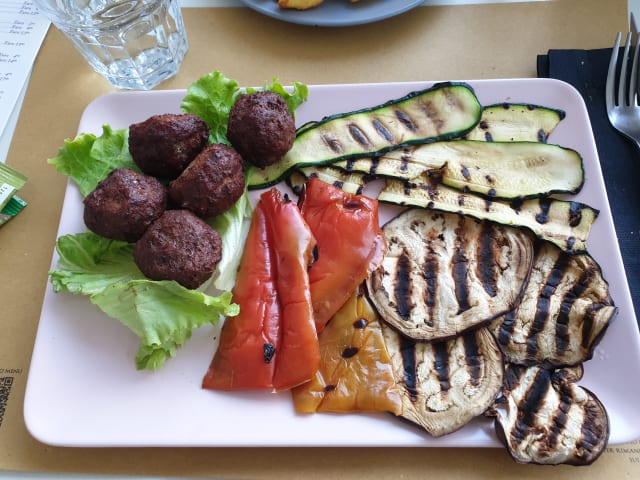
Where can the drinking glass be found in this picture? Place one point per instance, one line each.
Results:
(135, 44)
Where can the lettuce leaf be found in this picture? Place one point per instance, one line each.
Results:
(232, 226)
(211, 98)
(161, 313)
(88, 159)
(89, 263)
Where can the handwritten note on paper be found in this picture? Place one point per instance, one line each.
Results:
(22, 30)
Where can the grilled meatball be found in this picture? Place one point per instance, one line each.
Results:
(261, 127)
(163, 145)
(211, 184)
(124, 204)
(179, 246)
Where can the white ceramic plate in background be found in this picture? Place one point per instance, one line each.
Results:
(83, 388)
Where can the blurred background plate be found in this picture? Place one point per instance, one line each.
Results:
(335, 13)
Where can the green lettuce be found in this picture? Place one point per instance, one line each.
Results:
(232, 226)
(161, 313)
(88, 159)
(89, 263)
(211, 98)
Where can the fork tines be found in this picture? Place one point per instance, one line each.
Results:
(627, 85)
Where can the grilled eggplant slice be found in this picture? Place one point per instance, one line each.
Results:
(516, 122)
(446, 110)
(564, 223)
(545, 418)
(445, 273)
(445, 384)
(494, 169)
(564, 313)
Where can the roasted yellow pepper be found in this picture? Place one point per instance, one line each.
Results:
(355, 369)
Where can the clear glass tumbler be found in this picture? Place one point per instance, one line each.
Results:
(135, 44)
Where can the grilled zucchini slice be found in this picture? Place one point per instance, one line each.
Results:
(516, 122)
(353, 183)
(565, 223)
(545, 418)
(563, 314)
(446, 110)
(443, 273)
(494, 169)
(445, 384)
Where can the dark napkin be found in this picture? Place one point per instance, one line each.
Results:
(586, 70)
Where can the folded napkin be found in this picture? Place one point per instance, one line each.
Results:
(586, 70)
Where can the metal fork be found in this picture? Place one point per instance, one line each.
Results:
(624, 113)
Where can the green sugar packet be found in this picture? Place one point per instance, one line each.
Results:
(10, 182)
(13, 207)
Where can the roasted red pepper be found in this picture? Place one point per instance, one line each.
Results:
(350, 244)
(244, 358)
(273, 342)
(298, 355)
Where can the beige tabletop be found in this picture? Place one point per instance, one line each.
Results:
(428, 43)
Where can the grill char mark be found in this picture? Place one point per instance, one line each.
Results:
(530, 404)
(507, 327)
(473, 361)
(358, 135)
(441, 364)
(431, 113)
(542, 136)
(560, 417)
(333, 144)
(542, 216)
(542, 307)
(430, 274)
(562, 333)
(409, 367)
(405, 159)
(350, 164)
(486, 260)
(575, 214)
(402, 287)
(592, 430)
(382, 130)
(373, 168)
(460, 269)
(406, 120)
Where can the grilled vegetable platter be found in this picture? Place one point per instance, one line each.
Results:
(492, 304)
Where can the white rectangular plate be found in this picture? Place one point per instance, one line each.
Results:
(83, 388)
